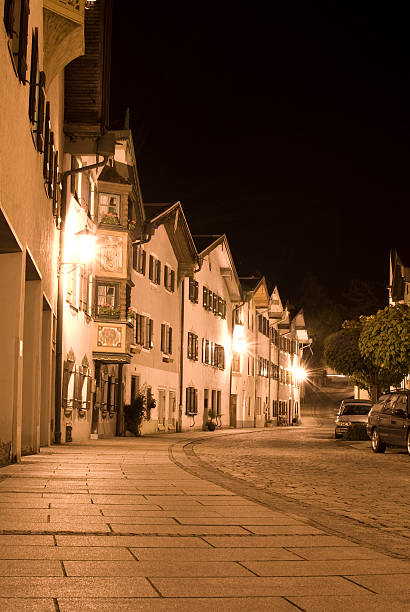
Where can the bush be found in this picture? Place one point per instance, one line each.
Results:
(356, 432)
(139, 410)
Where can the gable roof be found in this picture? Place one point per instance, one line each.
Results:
(173, 219)
(257, 290)
(229, 274)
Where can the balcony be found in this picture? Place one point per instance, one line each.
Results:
(63, 34)
(70, 9)
(112, 340)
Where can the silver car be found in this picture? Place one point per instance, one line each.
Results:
(351, 411)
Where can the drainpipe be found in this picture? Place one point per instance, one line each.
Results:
(60, 296)
(181, 358)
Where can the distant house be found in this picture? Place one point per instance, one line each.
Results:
(399, 281)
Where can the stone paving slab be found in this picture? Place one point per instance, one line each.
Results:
(69, 553)
(373, 603)
(178, 529)
(328, 568)
(337, 552)
(151, 569)
(27, 605)
(27, 540)
(384, 583)
(70, 587)
(212, 554)
(134, 541)
(247, 522)
(191, 604)
(30, 568)
(282, 541)
(251, 586)
(294, 529)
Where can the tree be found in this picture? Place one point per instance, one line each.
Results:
(385, 339)
(343, 353)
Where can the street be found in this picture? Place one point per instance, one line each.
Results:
(338, 484)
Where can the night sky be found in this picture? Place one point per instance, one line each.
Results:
(288, 131)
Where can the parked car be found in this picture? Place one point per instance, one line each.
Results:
(351, 411)
(389, 421)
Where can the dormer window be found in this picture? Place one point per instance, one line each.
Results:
(109, 208)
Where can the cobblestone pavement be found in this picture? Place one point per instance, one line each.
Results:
(341, 484)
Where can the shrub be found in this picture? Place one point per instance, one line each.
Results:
(356, 432)
(139, 410)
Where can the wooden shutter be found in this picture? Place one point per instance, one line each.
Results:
(33, 76)
(172, 285)
(40, 112)
(196, 401)
(166, 272)
(151, 333)
(9, 7)
(170, 340)
(151, 268)
(205, 297)
(46, 141)
(23, 41)
(196, 291)
(163, 343)
(158, 272)
(55, 185)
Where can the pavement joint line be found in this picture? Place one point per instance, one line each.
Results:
(154, 587)
(55, 601)
(293, 604)
(64, 569)
(349, 579)
(197, 467)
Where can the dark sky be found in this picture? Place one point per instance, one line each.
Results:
(288, 131)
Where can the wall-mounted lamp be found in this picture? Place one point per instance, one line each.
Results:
(239, 344)
(82, 250)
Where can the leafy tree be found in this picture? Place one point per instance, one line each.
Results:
(343, 353)
(385, 339)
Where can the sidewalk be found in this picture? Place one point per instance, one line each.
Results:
(115, 525)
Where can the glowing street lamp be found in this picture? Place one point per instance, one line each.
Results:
(239, 344)
(300, 373)
(80, 248)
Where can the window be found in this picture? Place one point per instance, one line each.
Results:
(251, 365)
(36, 94)
(258, 408)
(205, 293)
(144, 331)
(213, 401)
(219, 357)
(139, 258)
(191, 403)
(192, 346)
(236, 362)
(16, 14)
(206, 355)
(107, 300)
(193, 290)
(166, 339)
(154, 272)
(238, 315)
(221, 308)
(219, 403)
(84, 289)
(109, 208)
(206, 401)
(169, 278)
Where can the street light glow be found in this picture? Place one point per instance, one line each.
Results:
(239, 344)
(300, 373)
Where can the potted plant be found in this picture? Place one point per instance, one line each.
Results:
(105, 310)
(110, 219)
(211, 416)
(130, 315)
(131, 224)
(139, 409)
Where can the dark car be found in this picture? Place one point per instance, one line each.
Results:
(351, 411)
(389, 421)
